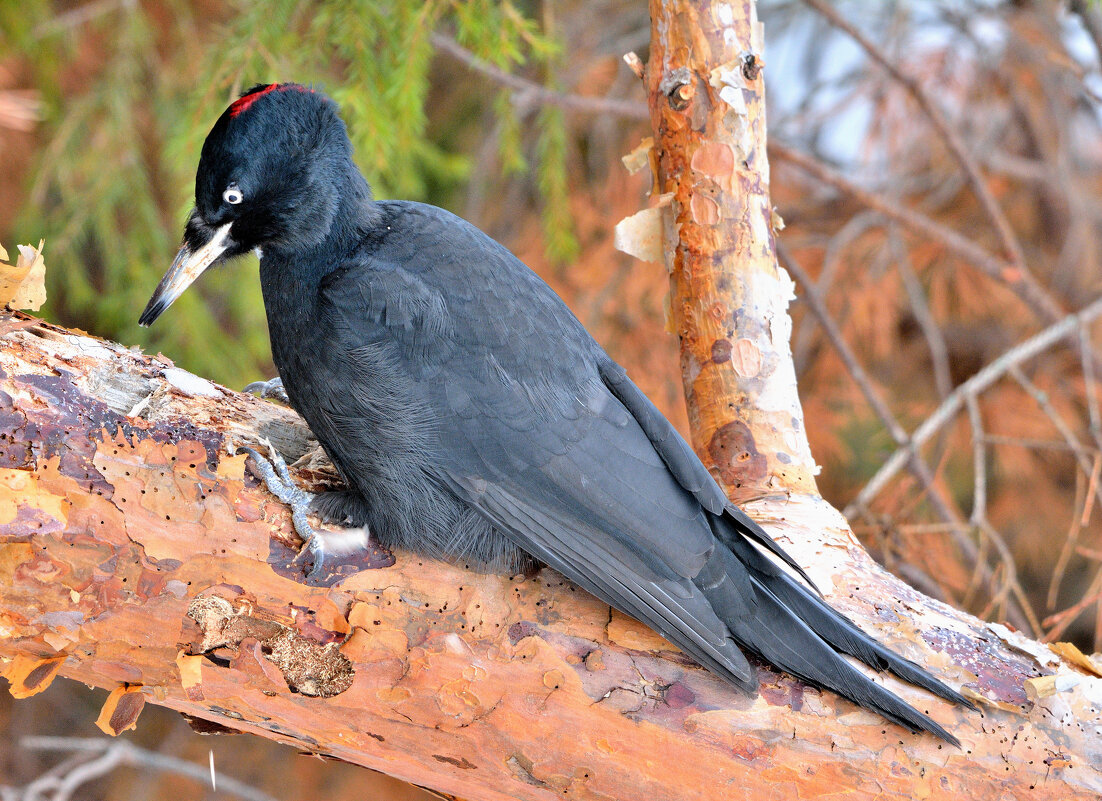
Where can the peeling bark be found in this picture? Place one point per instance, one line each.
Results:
(137, 554)
(729, 299)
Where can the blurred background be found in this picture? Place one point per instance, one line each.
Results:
(937, 165)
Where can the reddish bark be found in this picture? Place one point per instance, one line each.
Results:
(118, 532)
(729, 299)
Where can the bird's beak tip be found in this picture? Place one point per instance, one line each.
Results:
(152, 312)
(186, 267)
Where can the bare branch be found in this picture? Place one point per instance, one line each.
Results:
(1059, 622)
(530, 92)
(1018, 281)
(941, 504)
(1061, 425)
(845, 353)
(1090, 386)
(939, 352)
(106, 756)
(947, 133)
(979, 461)
(976, 384)
(1092, 21)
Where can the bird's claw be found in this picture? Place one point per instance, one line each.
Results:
(328, 549)
(269, 390)
(310, 547)
(277, 478)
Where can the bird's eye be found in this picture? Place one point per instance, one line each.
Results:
(233, 195)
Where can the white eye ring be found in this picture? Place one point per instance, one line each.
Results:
(233, 195)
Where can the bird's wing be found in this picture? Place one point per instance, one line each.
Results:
(685, 466)
(548, 439)
(528, 433)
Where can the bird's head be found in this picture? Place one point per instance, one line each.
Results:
(270, 176)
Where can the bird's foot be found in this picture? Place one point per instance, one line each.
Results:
(277, 478)
(269, 390)
(328, 550)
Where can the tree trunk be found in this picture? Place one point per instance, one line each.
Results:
(137, 552)
(729, 298)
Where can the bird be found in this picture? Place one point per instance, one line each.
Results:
(474, 419)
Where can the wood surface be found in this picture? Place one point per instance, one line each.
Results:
(728, 298)
(132, 538)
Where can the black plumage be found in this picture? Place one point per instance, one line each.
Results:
(474, 418)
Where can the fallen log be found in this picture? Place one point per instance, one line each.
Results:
(139, 554)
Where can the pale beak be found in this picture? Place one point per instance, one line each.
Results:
(186, 267)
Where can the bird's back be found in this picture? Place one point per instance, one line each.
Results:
(456, 389)
(475, 419)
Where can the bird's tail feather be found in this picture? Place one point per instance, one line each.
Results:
(796, 631)
(838, 630)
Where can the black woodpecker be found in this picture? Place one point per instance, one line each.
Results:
(474, 419)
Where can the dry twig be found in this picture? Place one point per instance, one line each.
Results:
(975, 385)
(95, 757)
(947, 133)
(529, 92)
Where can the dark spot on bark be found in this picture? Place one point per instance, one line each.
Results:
(15, 441)
(150, 584)
(751, 66)
(109, 565)
(459, 763)
(1001, 671)
(282, 558)
(677, 695)
(735, 454)
(77, 424)
(677, 86)
(204, 726)
(297, 736)
(126, 712)
(783, 457)
(886, 613)
(721, 351)
(229, 713)
(522, 769)
(518, 631)
(797, 702)
(39, 674)
(787, 691)
(30, 522)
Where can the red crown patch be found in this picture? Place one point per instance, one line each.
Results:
(243, 103)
